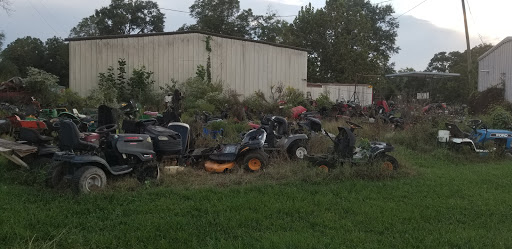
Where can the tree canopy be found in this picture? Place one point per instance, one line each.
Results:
(122, 17)
(346, 38)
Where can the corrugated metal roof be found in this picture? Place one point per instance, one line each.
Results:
(507, 39)
(180, 33)
(434, 75)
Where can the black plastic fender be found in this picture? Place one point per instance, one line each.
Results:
(83, 159)
(292, 138)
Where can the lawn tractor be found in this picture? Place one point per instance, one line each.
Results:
(478, 139)
(345, 151)
(87, 164)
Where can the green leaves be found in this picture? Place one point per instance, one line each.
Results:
(122, 17)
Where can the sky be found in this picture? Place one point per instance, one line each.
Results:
(426, 26)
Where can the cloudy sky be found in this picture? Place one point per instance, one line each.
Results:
(430, 27)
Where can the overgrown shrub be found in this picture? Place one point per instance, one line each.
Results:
(500, 118)
(43, 85)
(72, 99)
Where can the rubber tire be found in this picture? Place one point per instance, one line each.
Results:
(381, 159)
(148, 173)
(255, 155)
(292, 150)
(55, 175)
(324, 163)
(82, 174)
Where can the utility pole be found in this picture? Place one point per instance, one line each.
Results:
(467, 41)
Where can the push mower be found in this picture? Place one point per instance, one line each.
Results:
(86, 164)
(346, 152)
(479, 137)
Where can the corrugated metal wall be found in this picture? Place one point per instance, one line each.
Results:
(345, 92)
(241, 65)
(495, 67)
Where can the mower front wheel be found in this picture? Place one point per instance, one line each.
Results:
(55, 174)
(324, 166)
(386, 162)
(89, 179)
(255, 161)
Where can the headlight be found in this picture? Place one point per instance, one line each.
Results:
(163, 138)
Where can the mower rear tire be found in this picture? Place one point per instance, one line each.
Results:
(88, 179)
(324, 166)
(297, 150)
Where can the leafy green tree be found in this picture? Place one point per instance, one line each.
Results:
(221, 17)
(456, 89)
(56, 59)
(268, 28)
(122, 17)
(346, 38)
(6, 5)
(25, 52)
(2, 38)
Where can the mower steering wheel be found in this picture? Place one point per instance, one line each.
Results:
(354, 125)
(106, 128)
(474, 124)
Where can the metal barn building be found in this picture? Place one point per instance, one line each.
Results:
(495, 68)
(342, 92)
(243, 65)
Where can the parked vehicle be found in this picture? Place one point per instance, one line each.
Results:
(248, 154)
(280, 138)
(478, 138)
(345, 151)
(87, 164)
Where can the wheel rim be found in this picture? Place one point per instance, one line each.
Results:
(254, 164)
(301, 152)
(387, 166)
(93, 182)
(324, 168)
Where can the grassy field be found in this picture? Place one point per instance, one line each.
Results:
(439, 201)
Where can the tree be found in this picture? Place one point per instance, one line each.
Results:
(221, 17)
(25, 52)
(346, 38)
(268, 28)
(6, 5)
(2, 38)
(122, 17)
(456, 89)
(56, 59)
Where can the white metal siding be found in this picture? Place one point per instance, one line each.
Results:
(241, 65)
(494, 65)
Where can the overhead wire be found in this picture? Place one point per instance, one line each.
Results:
(182, 11)
(473, 19)
(39, 13)
(412, 9)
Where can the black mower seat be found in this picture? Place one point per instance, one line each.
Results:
(32, 136)
(69, 138)
(227, 153)
(455, 131)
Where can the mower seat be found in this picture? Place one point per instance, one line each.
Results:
(345, 143)
(32, 136)
(455, 131)
(69, 138)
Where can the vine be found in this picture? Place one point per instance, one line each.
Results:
(208, 60)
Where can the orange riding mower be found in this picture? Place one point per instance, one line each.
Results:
(248, 154)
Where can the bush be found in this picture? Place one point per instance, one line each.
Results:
(500, 118)
(72, 99)
(43, 85)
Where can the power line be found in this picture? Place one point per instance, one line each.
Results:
(412, 8)
(383, 2)
(182, 11)
(56, 33)
(473, 19)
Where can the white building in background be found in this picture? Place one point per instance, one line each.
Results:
(243, 65)
(495, 68)
(362, 93)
